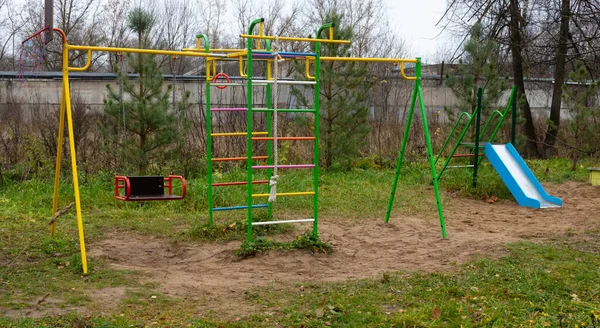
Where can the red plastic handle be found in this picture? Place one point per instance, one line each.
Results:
(221, 75)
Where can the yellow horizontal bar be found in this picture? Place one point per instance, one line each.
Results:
(146, 51)
(286, 38)
(377, 60)
(300, 193)
(233, 134)
(84, 68)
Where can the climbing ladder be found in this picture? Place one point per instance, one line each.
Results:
(475, 147)
(270, 135)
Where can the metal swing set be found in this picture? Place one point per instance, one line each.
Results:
(150, 188)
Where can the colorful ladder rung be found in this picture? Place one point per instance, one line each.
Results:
(460, 166)
(291, 82)
(284, 194)
(225, 159)
(282, 222)
(228, 109)
(282, 138)
(295, 166)
(238, 183)
(465, 155)
(285, 110)
(237, 134)
(242, 207)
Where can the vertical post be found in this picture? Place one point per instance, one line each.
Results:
(477, 136)
(249, 100)
(59, 150)
(513, 122)
(209, 154)
(411, 111)
(269, 126)
(67, 92)
(316, 117)
(429, 148)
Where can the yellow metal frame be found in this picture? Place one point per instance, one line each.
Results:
(66, 112)
(283, 194)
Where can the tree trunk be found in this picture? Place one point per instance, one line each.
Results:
(559, 78)
(516, 48)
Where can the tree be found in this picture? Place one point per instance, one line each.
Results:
(345, 87)
(477, 69)
(150, 123)
(584, 125)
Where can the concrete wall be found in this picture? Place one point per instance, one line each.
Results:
(436, 97)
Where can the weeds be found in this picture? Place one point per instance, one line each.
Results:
(307, 241)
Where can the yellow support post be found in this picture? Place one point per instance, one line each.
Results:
(59, 150)
(67, 102)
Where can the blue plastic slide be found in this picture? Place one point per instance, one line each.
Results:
(519, 179)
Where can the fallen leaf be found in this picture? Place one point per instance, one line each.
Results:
(436, 313)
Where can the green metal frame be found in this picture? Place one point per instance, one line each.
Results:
(269, 104)
(418, 93)
(512, 103)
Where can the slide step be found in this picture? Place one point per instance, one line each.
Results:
(243, 207)
(282, 222)
(472, 144)
(239, 183)
(299, 193)
(459, 166)
(465, 155)
(295, 166)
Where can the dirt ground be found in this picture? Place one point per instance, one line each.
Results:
(211, 275)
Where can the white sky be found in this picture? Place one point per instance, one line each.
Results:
(415, 21)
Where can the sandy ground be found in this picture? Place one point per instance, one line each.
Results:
(213, 277)
(214, 280)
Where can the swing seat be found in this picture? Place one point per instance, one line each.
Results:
(146, 188)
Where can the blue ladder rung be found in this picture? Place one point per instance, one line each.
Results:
(242, 207)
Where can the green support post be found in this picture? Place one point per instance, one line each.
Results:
(249, 120)
(477, 136)
(418, 93)
(513, 123)
(209, 166)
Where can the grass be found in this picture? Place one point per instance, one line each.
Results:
(560, 287)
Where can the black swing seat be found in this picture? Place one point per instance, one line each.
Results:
(146, 188)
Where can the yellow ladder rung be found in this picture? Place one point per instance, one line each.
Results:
(233, 134)
(300, 193)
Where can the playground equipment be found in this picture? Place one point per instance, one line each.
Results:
(519, 179)
(148, 188)
(66, 113)
(251, 55)
(132, 188)
(504, 157)
(475, 152)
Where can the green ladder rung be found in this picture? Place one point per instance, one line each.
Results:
(472, 144)
(459, 166)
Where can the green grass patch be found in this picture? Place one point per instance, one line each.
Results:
(307, 241)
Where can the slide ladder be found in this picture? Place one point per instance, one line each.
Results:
(519, 179)
(475, 148)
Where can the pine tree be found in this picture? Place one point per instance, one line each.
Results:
(477, 69)
(149, 125)
(344, 114)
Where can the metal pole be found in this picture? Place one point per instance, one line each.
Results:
(477, 136)
(513, 123)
